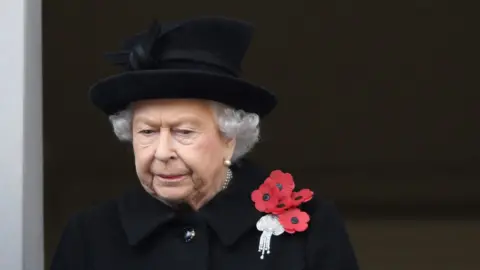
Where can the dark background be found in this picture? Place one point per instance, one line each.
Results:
(379, 107)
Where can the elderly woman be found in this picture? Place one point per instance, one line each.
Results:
(199, 205)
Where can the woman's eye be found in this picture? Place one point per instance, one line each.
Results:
(147, 131)
(183, 131)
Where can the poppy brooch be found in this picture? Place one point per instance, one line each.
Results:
(278, 200)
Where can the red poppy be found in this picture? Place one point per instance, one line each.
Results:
(266, 198)
(283, 181)
(283, 205)
(294, 220)
(301, 196)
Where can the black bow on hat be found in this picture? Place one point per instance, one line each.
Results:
(138, 50)
(199, 58)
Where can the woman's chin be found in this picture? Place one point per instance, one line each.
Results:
(172, 193)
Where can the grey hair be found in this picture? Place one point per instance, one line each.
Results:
(233, 124)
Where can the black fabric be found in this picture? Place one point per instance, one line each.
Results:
(139, 232)
(199, 58)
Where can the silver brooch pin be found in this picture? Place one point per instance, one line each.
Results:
(268, 225)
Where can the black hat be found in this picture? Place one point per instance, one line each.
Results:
(198, 58)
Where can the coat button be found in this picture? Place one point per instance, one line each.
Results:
(188, 235)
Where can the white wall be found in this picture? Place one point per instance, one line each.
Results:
(21, 200)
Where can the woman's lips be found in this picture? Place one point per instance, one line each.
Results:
(171, 177)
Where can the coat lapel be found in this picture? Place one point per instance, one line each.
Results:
(231, 213)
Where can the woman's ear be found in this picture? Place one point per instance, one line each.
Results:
(230, 148)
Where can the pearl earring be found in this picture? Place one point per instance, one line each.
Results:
(227, 162)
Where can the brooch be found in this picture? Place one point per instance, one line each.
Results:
(276, 197)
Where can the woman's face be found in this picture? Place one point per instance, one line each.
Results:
(179, 151)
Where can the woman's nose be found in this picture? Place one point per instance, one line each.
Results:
(164, 150)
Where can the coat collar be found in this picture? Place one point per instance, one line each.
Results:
(230, 213)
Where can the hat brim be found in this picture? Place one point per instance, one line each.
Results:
(115, 93)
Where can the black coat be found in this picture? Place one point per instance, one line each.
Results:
(138, 232)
